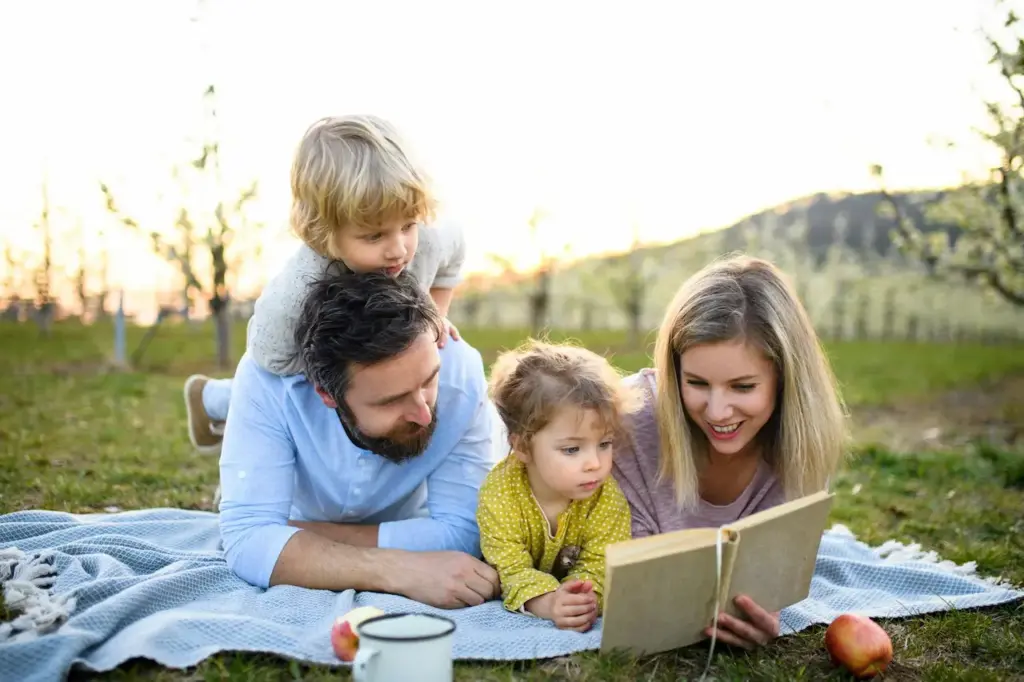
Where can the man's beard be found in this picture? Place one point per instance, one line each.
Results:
(402, 444)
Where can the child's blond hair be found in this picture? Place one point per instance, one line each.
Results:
(530, 384)
(354, 171)
(741, 298)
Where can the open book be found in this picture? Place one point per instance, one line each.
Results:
(660, 590)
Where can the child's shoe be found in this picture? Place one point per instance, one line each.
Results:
(205, 434)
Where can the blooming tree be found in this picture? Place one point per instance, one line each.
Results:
(989, 248)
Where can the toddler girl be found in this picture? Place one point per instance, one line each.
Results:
(547, 511)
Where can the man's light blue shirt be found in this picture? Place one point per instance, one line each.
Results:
(285, 456)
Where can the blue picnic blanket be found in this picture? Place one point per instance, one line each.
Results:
(154, 584)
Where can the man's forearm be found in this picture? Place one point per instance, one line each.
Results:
(354, 534)
(313, 561)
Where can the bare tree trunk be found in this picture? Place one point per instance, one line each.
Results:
(12, 286)
(635, 308)
(472, 309)
(839, 311)
(540, 300)
(223, 322)
(630, 289)
(861, 320)
(889, 315)
(44, 274)
(101, 298)
(81, 288)
(219, 305)
(587, 321)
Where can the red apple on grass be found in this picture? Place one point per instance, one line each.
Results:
(858, 644)
(344, 639)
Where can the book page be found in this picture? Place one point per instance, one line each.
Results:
(778, 551)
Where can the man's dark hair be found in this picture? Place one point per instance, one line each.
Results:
(360, 318)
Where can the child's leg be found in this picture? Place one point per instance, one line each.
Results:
(206, 405)
(216, 397)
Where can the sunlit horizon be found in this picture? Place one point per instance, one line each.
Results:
(672, 119)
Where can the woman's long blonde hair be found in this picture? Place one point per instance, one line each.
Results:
(741, 298)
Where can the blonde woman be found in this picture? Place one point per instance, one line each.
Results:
(741, 412)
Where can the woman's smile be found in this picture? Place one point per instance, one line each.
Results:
(724, 432)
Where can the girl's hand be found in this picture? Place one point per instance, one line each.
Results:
(573, 606)
(762, 627)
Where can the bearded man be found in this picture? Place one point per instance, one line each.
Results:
(363, 472)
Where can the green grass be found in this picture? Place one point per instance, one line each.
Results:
(77, 436)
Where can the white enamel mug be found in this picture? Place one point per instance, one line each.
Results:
(404, 647)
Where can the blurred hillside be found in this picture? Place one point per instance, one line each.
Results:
(837, 248)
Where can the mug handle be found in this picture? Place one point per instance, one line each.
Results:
(361, 664)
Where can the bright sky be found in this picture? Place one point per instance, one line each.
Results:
(678, 116)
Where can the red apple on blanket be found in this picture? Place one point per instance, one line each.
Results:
(344, 639)
(858, 644)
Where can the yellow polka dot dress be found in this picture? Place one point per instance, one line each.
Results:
(516, 539)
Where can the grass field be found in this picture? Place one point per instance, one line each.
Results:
(78, 436)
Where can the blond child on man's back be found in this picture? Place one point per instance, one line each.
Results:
(358, 202)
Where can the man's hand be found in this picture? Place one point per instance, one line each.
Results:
(573, 606)
(449, 330)
(447, 580)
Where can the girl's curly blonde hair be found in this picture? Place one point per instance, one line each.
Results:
(530, 384)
